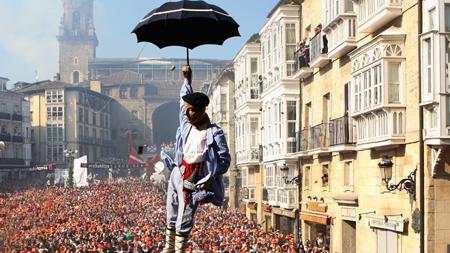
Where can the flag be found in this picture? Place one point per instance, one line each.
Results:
(134, 158)
(80, 173)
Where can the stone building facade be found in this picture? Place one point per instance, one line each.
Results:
(15, 129)
(67, 116)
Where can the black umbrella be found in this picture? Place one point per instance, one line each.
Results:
(188, 24)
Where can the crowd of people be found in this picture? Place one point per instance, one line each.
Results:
(168, 148)
(126, 215)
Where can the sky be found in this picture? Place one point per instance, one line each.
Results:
(28, 28)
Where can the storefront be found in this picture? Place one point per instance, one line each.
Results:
(284, 220)
(267, 217)
(388, 230)
(316, 224)
(252, 208)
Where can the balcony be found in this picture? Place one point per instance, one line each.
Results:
(5, 137)
(16, 117)
(302, 140)
(302, 62)
(4, 115)
(336, 9)
(319, 136)
(379, 129)
(341, 134)
(314, 140)
(253, 155)
(17, 138)
(11, 161)
(287, 198)
(373, 14)
(341, 36)
(319, 50)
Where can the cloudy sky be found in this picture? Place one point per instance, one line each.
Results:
(28, 31)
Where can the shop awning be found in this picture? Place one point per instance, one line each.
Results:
(314, 217)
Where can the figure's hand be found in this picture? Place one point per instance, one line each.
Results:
(187, 72)
(205, 186)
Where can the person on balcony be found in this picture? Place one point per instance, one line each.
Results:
(318, 30)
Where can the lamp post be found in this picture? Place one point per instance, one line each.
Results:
(70, 154)
(409, 183)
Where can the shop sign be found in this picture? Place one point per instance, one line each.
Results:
(317, 206)
(283, 212)
(316, 218)
(348, 213)
(392, 224)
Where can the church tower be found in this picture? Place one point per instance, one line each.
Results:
(77, 40)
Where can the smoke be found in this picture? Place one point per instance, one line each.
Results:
(28, 36)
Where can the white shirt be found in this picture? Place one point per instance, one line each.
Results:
(195, 145)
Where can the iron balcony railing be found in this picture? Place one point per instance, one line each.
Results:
(5, 115)
(341, 131)
(5, 137)
(313, 138)
(302, 140)
(16, 117)
(17, 138)
(12, 161)
(319, 136)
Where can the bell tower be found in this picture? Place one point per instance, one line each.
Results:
(77, 40)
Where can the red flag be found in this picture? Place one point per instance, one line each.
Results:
(134, 158)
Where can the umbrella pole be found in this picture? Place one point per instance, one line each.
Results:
(187, 55)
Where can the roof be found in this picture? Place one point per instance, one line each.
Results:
(254, 38)
(46, 85)
(281, 3)
(4, 78)
(122, 77)
(156, 61)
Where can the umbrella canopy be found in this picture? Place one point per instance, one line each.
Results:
(188, 24)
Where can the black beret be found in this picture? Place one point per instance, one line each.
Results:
(196, 99)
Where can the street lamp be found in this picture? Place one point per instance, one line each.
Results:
(284, 170)
(409, 183)
(70, 154)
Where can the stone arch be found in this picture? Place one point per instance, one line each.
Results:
(165, 122)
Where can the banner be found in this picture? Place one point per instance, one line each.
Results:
(80, 174)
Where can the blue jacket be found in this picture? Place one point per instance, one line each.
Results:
(216, 153)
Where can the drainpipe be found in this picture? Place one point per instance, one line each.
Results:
(299, 161)
(421, 141)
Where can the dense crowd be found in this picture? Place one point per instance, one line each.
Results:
(126, 215)
(168, 148)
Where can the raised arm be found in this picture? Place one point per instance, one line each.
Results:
(186, 88)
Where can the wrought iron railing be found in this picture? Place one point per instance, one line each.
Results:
(319, 136)
(5, 115)
(341, 131)
(16, 117)
(5, 137)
